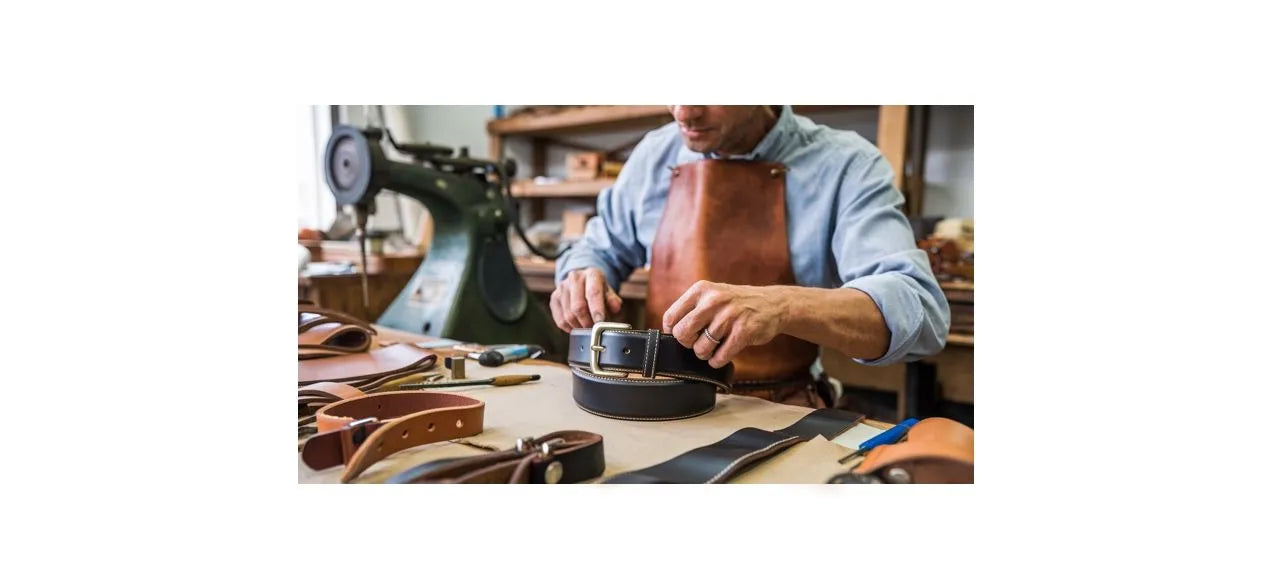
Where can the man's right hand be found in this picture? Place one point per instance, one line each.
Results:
(581, 299)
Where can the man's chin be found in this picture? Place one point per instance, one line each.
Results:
(699, 146)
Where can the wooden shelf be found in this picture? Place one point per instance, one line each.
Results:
(609, 117)
(527, 188)
(579, 119)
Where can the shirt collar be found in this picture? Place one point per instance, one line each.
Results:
(769, 149)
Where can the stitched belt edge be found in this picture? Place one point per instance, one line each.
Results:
(836, 421)
(586, 380)
(651, 419)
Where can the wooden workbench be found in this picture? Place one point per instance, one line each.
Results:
(535, 409)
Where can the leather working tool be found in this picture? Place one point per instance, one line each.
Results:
(889, 436)
(359, 432)
(467, 286)
(710, 205)
(602, 356)
(324, 333)
(742, 450)
(498, 381)
(560, 457)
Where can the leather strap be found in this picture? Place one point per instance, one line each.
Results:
(369, 366)
(361, 431)
(740, 451)
(935, 450)
(560, 457)
(324, 333)
(672, 382)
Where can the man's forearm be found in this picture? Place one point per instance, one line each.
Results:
(845, 319)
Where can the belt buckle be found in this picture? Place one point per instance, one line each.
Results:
(596, 348)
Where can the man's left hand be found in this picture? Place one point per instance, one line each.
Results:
(737, 316)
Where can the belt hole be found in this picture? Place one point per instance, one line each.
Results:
(431, 426)
(459, 423)
(405, 434)
(626, 350)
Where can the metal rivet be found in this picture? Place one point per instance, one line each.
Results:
(554, 472)
(898, 475)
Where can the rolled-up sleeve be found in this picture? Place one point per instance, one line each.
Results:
(610, 242)
(875, 252)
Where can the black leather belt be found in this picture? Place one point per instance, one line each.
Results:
(604, 354)
(740, 451)
(560, 457)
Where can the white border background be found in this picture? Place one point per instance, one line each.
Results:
(1128, 319)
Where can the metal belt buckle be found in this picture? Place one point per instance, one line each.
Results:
(358, 437)
(596, 348)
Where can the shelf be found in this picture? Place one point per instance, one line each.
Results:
(528, 188)
(609, 117)
(579, 119)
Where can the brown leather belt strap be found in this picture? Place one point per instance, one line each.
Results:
(325, 333)
(361, 431)
(373, 365)
(560, 457)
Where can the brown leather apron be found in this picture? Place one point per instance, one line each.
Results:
(726, 221)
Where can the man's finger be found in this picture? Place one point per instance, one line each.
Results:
(565, 312)
(718, 327)
(681, 307)
(595, 295)
(576, 307)
(556, 314)
(689, 328)
(730, 346)
(614, 301)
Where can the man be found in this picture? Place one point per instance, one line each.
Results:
(847, 274)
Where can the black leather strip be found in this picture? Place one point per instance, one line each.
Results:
(679, 385)
(641, 399)
(629, 350)
(579, 458)
(740, 451)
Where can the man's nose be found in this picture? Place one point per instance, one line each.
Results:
(686, 114)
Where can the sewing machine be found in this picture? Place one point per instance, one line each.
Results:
(468, 287)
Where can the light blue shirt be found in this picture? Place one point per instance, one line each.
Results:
(843, 226)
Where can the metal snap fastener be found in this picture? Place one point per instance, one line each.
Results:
(898, 475)
(554, 472)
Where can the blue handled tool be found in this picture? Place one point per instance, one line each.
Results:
(893, 435)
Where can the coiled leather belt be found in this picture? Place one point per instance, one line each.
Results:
(602, 357)
(560, 457)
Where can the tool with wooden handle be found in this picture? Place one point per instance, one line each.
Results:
(498, 381)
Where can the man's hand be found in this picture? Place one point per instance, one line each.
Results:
(737, 316)
(581, 298)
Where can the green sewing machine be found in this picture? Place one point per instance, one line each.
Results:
(467, 288)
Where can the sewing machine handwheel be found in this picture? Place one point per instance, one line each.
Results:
(349, 163)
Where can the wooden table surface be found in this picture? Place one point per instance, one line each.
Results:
(537, 408)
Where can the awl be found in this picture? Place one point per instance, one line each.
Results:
(893, 435)
(498, 381)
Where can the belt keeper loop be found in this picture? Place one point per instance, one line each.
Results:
(651, 353)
